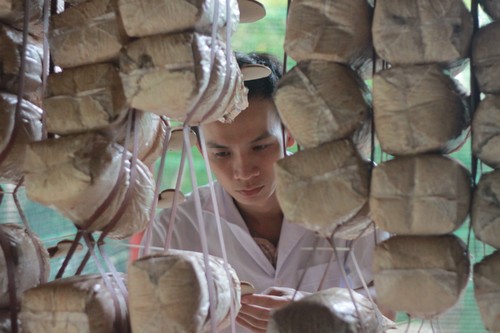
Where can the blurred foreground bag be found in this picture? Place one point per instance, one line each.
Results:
(12, 11)
(330, 310)
(79, 304)
(169, 293)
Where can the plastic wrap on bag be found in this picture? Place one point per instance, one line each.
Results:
(75, 304)
(170, 75)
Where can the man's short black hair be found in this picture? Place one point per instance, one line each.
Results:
(265, 87)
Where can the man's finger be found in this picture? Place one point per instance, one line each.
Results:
(256, 312)
(253, 324)
(265, 301)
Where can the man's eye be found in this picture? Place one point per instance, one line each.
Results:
(222, 154)
(261, 147)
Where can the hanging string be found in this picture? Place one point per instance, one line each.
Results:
(344, 275)
(203, 235)
(121, 323)
(218, 224)
(45, 60)
(173, 211)
(474, 102)
(159, 177)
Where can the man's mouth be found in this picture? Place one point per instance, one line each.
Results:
(248, 192)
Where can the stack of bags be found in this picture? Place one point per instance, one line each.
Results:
(326, 106)
(177, 66)
(82, 171)
(23, 260)
(17, 129)
(124, 71)
(485, 145)
(420, 115)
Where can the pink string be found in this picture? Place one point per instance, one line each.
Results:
(203, 235)
(149, 230)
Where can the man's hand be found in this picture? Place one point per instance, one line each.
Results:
(256, 309)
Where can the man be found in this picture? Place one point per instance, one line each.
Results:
(262, 246)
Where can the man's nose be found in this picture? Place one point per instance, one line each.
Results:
(245, 168)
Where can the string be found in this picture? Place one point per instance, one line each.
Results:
(218, 224)
(173, 212)
(159, 177)
(121, 324)
(473, 101)
(344, 275)
(45, 60)
(203, 235)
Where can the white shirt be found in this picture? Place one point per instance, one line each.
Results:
(295, 247)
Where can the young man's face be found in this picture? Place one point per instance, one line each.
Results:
(243, 152)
